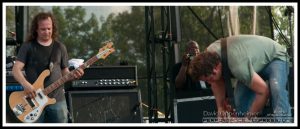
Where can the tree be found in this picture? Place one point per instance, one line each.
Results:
(10, 19)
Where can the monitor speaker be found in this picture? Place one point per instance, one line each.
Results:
(105, 106)
(195, 110)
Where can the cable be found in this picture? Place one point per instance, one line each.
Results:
(203, 23)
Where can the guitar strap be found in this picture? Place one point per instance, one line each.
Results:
(54, 57)
(226, 73)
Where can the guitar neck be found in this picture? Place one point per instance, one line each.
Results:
(69, 76)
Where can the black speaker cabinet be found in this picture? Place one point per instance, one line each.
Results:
(195, 110)
(105, 106)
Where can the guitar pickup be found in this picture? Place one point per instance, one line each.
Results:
(30, 102)
(39, 94)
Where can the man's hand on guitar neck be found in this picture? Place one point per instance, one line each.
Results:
(77, 73)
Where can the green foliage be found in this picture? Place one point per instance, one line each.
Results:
(246, 19)
(127, 29)
(283, 22)
(10, 18)
(83, 37)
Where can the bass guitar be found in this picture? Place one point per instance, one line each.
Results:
(28, 109)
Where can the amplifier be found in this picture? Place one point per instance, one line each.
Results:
(105, 106)
(10, 78)
(107, 77)
(195, 110)
(117, 83)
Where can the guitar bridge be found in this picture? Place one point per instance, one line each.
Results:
(18, 109)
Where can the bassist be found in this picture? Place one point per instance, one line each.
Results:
(40, 52)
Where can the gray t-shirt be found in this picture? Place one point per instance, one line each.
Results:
(247, 54)
(37, 59)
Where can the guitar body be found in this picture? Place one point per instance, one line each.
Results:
(29, 110)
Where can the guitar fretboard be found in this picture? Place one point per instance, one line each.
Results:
(69, 76)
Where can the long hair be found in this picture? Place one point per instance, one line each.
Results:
(203, 64)
(34, 26)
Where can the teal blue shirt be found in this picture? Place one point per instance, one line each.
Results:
(247, 54)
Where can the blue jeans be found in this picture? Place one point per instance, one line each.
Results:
(54, 113)
(276, 72)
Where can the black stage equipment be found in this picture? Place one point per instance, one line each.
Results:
(105, 106)
(195, 110)
(99, 77)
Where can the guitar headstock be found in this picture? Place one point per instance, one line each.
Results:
(106, 50)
